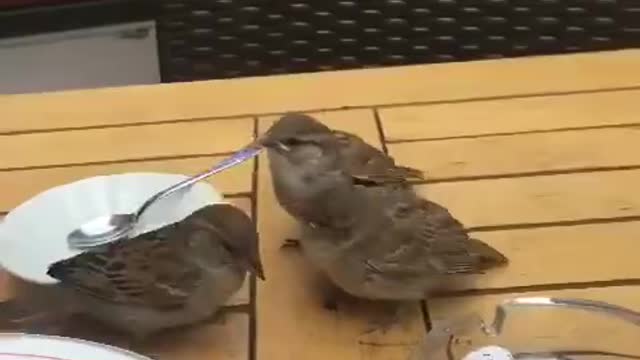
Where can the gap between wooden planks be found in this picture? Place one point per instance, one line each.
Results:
(539, 199)
(328, 90)
(598, 252)
(292, 322)
(505, 116)
(523, 154)
(125, 143)
(28, 183)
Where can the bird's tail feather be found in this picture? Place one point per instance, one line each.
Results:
(489, 257)
(35, 311)
(16, 315)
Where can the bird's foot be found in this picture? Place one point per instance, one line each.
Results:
(290, 244)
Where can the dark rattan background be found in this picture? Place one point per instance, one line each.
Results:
(204, 39)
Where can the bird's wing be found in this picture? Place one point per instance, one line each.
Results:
(449, 244)
(144, 271)
(427, 240)
(366, 164)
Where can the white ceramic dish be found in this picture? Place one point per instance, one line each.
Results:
(41, 347)
(34, 234)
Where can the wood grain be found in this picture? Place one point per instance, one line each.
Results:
(124, 143)
(547, 101)
(313, 332)
(500, 116)
(539, 199)
(551, 329)
(32, 182)
(328, 90)
(523, 153)
(559, 255)
(226, 340)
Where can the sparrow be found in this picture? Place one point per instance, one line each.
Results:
(295, 156)
(177, 275)
(364, 226)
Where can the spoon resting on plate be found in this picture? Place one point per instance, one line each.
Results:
(111, 227)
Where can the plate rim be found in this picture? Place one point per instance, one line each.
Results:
(67, 339)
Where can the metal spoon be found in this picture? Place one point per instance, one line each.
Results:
(109, 228)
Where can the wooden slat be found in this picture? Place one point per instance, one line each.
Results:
(539, 199)
(293, 287)
(227, 340)
(523, 153)
(560, 255)
(32, 182)
(319, 91)
(510, 115)
(134, 142)
(553, 329)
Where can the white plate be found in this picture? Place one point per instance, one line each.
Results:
(41, 347)
(34, 234)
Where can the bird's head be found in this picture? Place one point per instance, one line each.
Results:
(300, 138)
(293, 130)
(231, 230)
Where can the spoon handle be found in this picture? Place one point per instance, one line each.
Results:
(236, 158)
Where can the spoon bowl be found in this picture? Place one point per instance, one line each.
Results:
(103, 229)
(111, 227)
(34, 234)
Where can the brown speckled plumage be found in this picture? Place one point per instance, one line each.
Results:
(365, 226)
(176, 275)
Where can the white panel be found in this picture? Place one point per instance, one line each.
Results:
(124, 54)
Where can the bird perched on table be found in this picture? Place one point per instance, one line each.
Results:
(303, 150)
(367, 230)
(176, 275)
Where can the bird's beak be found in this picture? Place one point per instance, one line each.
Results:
(273, 142)
(255, 267)
(249, 258)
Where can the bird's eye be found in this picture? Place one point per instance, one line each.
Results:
(292, 141)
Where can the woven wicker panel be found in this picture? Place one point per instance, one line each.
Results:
(204, 39)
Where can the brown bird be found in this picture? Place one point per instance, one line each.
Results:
(177, 275)
(366, 229)
(306, 149)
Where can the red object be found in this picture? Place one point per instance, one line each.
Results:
(16, 3)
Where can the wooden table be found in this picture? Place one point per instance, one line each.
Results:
(540, 157)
